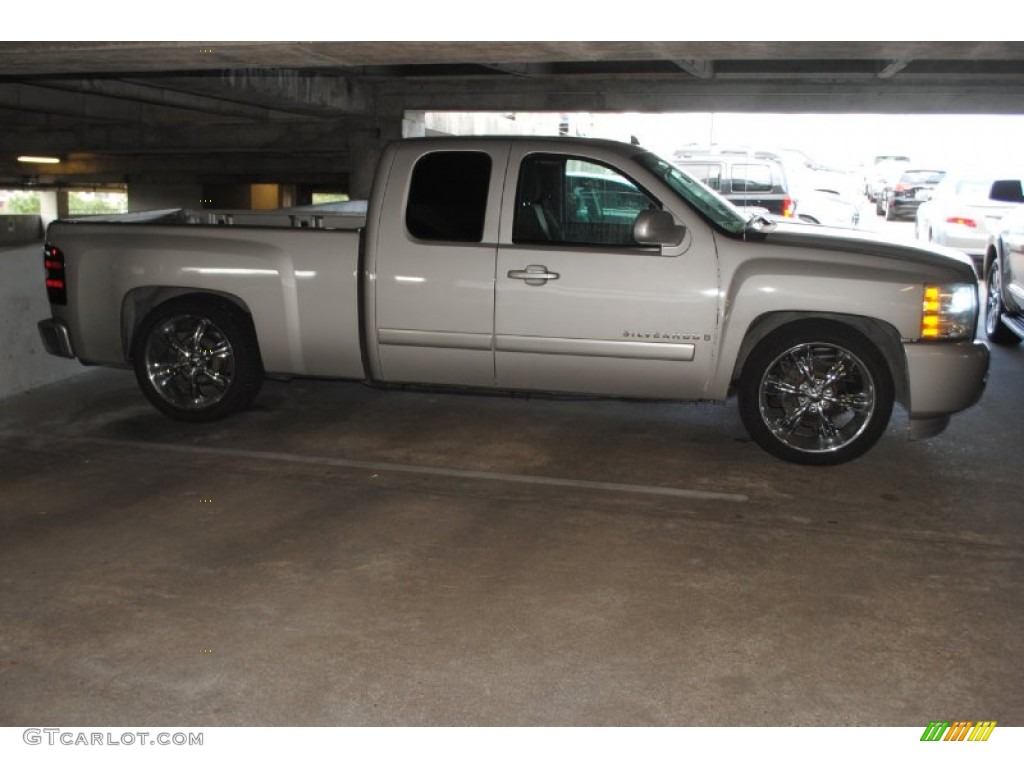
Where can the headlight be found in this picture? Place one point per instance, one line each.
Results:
(949, 311)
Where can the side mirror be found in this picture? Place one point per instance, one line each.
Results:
(655, 227)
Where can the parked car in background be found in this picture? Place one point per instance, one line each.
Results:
(883, 174)
(780, 182)
(746, 178)
(965, 208)
(826, 207)
(1004, 280)
(902, 199)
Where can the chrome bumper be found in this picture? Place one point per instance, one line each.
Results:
(56, 338)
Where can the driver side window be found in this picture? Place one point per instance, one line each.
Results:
(566, 200)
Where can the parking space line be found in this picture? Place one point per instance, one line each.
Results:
(383, 466)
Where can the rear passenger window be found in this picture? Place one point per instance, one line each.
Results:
(448, 197)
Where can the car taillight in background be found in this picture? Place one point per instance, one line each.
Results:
(963, 221)
(788, 207)
(56, 281)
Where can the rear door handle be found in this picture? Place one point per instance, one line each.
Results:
(535, 274)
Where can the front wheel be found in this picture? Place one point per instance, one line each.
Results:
(995, 331)
(196, 359)
(815, 392)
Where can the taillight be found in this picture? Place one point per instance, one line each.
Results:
(56, 281)
(900, 188)
(962, 221)
(788, 207)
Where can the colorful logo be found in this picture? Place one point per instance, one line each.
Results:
(958, 730)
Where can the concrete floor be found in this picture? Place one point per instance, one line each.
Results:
(256, 573)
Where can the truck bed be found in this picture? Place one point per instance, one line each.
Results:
(294, 271)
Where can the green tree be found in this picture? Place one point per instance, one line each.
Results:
(90, 204)
(23, 202)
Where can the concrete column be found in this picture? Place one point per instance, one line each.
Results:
(365, 149)
(414, 125)
(53, 204)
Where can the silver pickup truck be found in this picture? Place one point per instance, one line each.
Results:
(529, 264)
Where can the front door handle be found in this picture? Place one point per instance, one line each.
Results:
(535, 274)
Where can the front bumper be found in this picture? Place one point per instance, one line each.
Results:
(56, 338)
(944, 378)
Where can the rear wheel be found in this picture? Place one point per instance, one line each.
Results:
(816, 392)
(994, 328)
(196, 359)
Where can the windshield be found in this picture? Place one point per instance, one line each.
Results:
(722, 214)
(922, 177)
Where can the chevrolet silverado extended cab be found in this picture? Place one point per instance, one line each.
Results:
(536, 265)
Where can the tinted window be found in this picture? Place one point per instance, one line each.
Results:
(448, 197)
(1007, 191)
(575, 202)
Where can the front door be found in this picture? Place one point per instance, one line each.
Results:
(580, 306)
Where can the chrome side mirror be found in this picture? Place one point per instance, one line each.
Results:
(655, 227)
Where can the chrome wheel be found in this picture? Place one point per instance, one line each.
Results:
(197, 358)
(816, 392)
(189, 362)
(817, 397)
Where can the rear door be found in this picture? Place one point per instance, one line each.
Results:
(433, 280)
(580, 307)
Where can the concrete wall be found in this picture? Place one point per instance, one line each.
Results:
(20, 228)
(150, 197)
(24, 363)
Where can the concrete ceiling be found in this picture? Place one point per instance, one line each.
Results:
(288, 111)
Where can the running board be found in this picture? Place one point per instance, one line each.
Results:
(1014, 323)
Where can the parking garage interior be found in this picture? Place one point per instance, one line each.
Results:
(339, 555)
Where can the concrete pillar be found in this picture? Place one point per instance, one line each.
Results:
(364, 150)
(53, 204)
(414, 125)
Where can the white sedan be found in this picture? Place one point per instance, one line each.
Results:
(964, 209)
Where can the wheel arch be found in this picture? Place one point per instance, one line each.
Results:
(884, 336)
(138, 303)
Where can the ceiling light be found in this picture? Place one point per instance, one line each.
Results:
(35, 159)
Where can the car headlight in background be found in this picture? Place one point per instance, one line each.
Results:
(949, 311)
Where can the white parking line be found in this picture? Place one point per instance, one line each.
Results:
(383, 466)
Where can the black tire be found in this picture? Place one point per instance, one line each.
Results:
(995, 331)
(879, 210)
(196, 359)
(816, 392)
